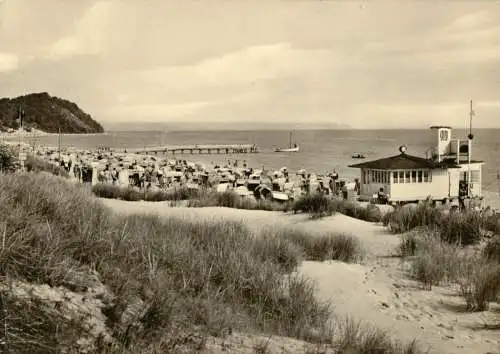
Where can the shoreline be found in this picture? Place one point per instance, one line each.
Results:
(36, 132)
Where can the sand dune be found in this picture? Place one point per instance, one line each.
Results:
(376, 291)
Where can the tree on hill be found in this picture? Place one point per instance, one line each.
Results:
(47, 113)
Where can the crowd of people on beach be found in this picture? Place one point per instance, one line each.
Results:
(102, 165)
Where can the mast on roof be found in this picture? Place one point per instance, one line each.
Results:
(470, 137)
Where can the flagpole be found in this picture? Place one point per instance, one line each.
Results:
(470, 137)
(498, 181)
(21, 147)
(59, 149)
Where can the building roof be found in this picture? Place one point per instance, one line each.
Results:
(405, 162)
(471, 161)
(440, 126)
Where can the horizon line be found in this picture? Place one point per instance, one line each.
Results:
(300, 128)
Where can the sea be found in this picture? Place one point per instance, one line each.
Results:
(321, 151)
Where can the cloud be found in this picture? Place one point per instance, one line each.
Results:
(89, 35)
(469, 38)
(248, 65)
(471, 21)
(8, 62)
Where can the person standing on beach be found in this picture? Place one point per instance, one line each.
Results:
(114, 176)
(77, 172)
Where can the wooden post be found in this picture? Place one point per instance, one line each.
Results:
(59, 149)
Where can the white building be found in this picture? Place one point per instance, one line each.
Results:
(449, 174)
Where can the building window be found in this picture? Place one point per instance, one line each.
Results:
(413, 176)
(475, 176)
(419, 176)
(426, 176)
(407, 177)
(401, 177)
(395, 177)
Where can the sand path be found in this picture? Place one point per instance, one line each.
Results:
(376, 291)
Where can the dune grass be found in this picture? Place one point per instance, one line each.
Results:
(361, 339)
(435, 261)
(491, 250)
(322, 247)
(35, 164)
(315, 204)
(230, 199)
(319, 205)
(438, 247)
(109, 191)
(164, 279)
(465, 228)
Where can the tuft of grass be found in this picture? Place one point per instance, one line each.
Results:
(479, 284)
(492, 223)
(355, 338)
(35, 164)
(319, 205)
(408, 217)
(316, 204)
(272, 246)
(110, 191)
(370, 213)
(432, 260)
(465, 228)
(329, 246)
(491, 250)
(230, 199)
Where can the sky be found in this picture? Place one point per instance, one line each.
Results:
(367, 64)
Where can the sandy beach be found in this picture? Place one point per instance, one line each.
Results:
(376, 291)
(37, 133)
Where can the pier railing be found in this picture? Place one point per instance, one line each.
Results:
(195, 149)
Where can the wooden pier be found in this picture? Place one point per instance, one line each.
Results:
(194, 149)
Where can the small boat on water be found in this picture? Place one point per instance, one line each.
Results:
(358, 156)
(295, 148)
(291, 148)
